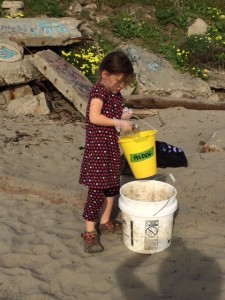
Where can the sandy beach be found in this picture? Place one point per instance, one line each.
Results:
(41, 201)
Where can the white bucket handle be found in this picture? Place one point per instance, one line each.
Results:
(162, 208)
(174, 181)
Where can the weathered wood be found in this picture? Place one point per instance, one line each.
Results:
(41, 31)
(162, 102)
(143, 113)
(65, 77)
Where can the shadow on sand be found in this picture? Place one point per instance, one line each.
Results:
(183, 274)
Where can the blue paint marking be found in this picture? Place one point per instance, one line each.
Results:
(49, 28)
(153, 66)
(6, 53)
(133, 57)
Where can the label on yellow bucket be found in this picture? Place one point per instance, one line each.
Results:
(142, 155)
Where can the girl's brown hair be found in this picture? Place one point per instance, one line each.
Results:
(117, 62)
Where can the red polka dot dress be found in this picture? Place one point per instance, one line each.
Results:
(100, 168)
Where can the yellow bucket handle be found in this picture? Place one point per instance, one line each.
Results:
(145, 123)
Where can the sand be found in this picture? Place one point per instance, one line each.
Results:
(41, 252)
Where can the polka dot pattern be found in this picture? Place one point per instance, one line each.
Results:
(100, 167)
(95, 200)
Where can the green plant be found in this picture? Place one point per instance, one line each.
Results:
(111, 3)
(104, 43)
(85, 58)
(51, 8)
(199, 72)
(129, 28)
(15, 16)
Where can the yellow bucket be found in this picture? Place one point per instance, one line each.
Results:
(140, 153)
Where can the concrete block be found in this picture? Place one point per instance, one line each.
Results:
(18, 72)
(41, 31)
(13, 93)
(42, 108)
(65, 77)
(29, 105)
(23, 106)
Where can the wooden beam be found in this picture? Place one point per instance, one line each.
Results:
(163, 102)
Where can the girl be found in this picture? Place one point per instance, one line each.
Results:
(100, 169)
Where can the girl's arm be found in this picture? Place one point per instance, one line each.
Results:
(95, 114)
(97, 118)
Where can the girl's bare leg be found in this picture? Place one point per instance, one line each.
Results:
(90, 226)
(106, 210)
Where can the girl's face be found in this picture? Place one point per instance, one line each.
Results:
(113, 82)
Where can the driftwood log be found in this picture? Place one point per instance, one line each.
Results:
(143, 101)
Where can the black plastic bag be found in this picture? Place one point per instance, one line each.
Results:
(166, 156)
(169, 156)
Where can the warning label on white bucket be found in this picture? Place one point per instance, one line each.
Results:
(151, 234)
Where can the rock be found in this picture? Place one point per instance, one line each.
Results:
(156, 76)
(216, 142)
(86, 31)
(91, 10)
(198, 27)
(23, 106)
(216, 79)
(13, 7)
(86, 2)
(42, 108)
(75, 10)
(13, 93)
(28, 105)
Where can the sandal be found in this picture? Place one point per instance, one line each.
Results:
(91, 242)
(112, 226)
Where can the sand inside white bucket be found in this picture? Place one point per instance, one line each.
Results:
(148, 191)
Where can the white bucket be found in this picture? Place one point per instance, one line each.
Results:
(148, 208)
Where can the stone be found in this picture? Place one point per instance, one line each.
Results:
(75, 10)
(86, 2)
(23, 106)
(198, 27)
(29, 105)
(10, 4)
(13, 93)
(13, 7)
(86, 31)
(42, 108)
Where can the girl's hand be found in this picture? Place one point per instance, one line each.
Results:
(123, 125)
(127, 113)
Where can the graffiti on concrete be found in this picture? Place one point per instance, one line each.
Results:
(153, 66)
(8, 53)
(47, 28)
